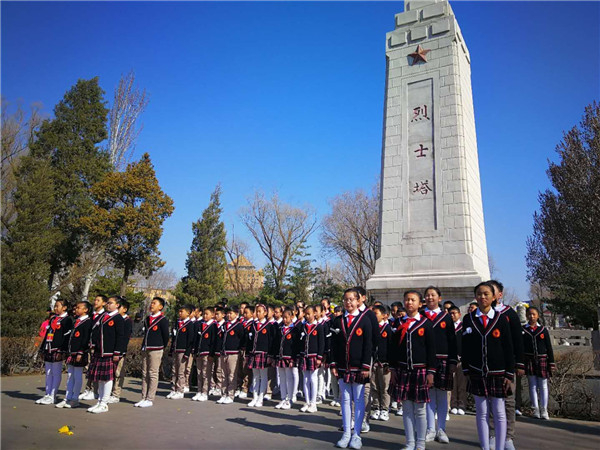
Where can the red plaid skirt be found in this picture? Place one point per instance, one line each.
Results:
(352, 376)
(287, 362)
(101, 369)
(53, 357)
(538, 367)
(307, 363)
(257, 361)
(486, 386)
(71, 360)
(411, 385)
(443, 378)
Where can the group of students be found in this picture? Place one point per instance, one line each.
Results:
(413, 355)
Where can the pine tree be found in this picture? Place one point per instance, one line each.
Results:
(127, 218)
(26, 248)
(206, 264)
(70, 142)
(301, 277)
(563, 254)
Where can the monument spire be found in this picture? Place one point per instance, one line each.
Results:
(431, 216)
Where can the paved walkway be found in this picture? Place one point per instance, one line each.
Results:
(185, 424)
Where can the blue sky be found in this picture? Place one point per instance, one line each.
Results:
(288, 96)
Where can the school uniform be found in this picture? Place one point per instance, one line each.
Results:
(231, 342)
(381, 374)
(445, 347)
(260, 349)
(119, 372)
(458, 400)
(217, 374)
(204, 351)
(487, 353)
(182, 343)
(91, 387)
(107, 340)
(156, 338)
(244, 377)
(312, 346)
(538, 352)
(58, 332)
(324, 375)
(77, 345)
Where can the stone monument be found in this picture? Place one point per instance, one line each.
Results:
(431, 216)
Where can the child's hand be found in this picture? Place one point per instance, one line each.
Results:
(364, 373)
(78, 358)
(318, 363)
(334, 372)
(429, 379)
(116, 359)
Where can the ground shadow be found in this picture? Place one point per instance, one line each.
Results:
(23, 395)
(567, 426)
(301, 417)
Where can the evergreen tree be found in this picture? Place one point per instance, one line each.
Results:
(206, 264)
(26, 248)
(301, 278)
(563, 254)
(127, 218)
(70, 143)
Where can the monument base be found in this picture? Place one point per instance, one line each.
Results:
(456, 287)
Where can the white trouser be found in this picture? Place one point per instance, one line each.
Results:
(352, 392)
(481, 411)
(310, 385)
(415, 419)
(74, 382)
(53, 377)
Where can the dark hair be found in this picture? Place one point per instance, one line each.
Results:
(125, 304)
(354, 290)
(396, 304)
(224, 300)
(233, 308)
(244, 303)
(413, 291)
(535, 308)
(220, 309)
(188, 308)
(401, 308)
(309, 308)
(318, 308)
(361, 291)
(209, 309)
(326, 300)
(453, 308)
(489, 284)
(301, 302)
(199, 308)
(381, 308)
(451, 303)
(118, 299)
(474, 304)
(377, 302)
(87, 305)
(160, 300)
(337, 309)
(64, 302)
(496, 283)
(103, 297)
(435, 288)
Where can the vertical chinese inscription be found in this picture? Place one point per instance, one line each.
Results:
(421, 156)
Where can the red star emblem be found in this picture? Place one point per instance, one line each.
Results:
(419, 55)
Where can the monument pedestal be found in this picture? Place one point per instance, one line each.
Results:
(431, 224)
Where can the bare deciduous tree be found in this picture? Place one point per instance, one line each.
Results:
(279, 229)
(18, 131)
(350, 232)
(235, 249)
(128, 105)
(161, 279)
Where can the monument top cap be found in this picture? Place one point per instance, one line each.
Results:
(410, 5)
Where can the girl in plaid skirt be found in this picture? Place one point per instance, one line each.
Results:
(413, 356)
(312, 347)
(259, 349)
(539, 361)
(288, 340)
(57, 331)
(488, 361)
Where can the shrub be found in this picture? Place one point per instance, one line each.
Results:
(20, 356)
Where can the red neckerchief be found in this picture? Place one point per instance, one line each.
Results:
(484, 320)
(349, 319)
(405, 327)
(431, 315)
(310, 327)
(533, 328)
(152, 319)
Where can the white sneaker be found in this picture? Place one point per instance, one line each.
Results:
(375, 414)
(186, 390)
(87, 395)
(294, 399)
(394, 405)
(280, 404)
(196, 397)
(319, 400)
(171, 394)
(139, 403)
(518, 412)
(544, 414)
(112, 399)
(355, 442)
(305, 407)
(267, 397)
(454, 411)
(61, 404)
(286, 405)
(536, 413)
(447, 417)
(227, 401)
(365, 428)
(384, 415)
(204, 398)
(178, 396)
(146, 404)
(461, 412)
(312, 408)
(221, 400)
(344, 441)
(259, 402)
(242, 394)
(509, 445)
(252, 403)
(100, 408)
(45, 400)
(399, 411)
(430, 435)
(92, 408)
(237, 394)
(442, 437)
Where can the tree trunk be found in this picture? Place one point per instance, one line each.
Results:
(124, 281)
(86, 287)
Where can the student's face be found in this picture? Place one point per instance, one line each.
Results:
(287, 319)
(231, 316)
(277, 314)
(183, 314)
(111, 305)
(497, 294)
(122, 310)
(401, 314)
(432, 299)
(351, 302)
(197, 314)
(270, 313)
(485, 297)
(219, 315)
(248, 314)
(261, 313)
(379, 315)
(80, 309)
(309, 314)
(472, 308)
(325, 306)
(337, 313)
(155, 307)
(98, 303)
(532, 316)
(59, 308)
(394, 311)
(455, 315)
(208, 315)
(411, 303)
